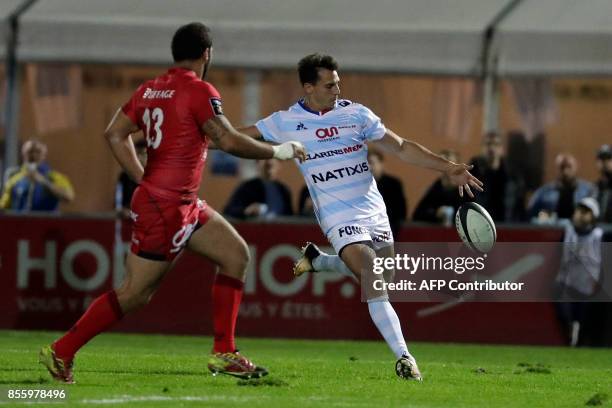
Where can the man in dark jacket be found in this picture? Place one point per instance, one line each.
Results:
(261, 197)
(503, 196)
(441, 200)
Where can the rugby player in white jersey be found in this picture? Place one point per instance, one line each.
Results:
(348, 206)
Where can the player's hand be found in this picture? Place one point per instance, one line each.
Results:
(290, 150)
(461, 177)
(36, 177)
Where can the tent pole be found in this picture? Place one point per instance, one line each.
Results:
(11, 103)
(251, 108)
(491, 98)
(489, 68)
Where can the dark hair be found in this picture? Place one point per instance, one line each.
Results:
(190, 41)
(308, 67)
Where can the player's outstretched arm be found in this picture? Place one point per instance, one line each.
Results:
(225, 137)
(250, 131)
(117, 135)
(417, 154)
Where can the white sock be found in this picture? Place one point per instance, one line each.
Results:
(384, 317)
(331, 263)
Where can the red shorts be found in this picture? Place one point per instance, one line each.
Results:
(161, 226)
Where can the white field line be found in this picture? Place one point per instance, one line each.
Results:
(124, 399)
(129, 399)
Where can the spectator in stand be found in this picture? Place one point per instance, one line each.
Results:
(441, 200)
(125, 185)
(35, 186)
(390, 189)
(557, 200)
(261, 197)
(502, 197)
(604, 183)
(579, 275)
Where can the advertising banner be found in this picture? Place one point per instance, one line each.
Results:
(53, 267)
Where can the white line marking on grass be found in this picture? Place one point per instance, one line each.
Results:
(23, 402)
(124, 399)
(128, 399)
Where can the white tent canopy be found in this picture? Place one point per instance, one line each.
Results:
(418, 36)
(538, 37)
(557, 37)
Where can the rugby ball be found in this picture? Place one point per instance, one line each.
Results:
(475, 227)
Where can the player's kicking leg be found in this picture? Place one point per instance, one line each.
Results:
(143, 276)
(357, 259)
(218, 241)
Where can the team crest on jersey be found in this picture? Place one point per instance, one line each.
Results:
(216, 105)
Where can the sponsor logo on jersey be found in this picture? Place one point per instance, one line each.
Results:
(301, 126)
(340, 173)
(385, 236)
(158, 93)
(334, 152)
(327, 134)
(216, 105)
(351, 230)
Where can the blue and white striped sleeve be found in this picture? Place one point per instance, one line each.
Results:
(373, 128)
(270, 128)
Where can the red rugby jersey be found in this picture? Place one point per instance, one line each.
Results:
(170, 110)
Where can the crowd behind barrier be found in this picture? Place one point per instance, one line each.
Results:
(510, 194)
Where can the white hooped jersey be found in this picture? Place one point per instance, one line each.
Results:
(336, 171)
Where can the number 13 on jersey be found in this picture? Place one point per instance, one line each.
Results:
(157, 117)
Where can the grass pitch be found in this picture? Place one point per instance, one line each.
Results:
(156, 371)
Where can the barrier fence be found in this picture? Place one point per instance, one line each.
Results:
(53, 267)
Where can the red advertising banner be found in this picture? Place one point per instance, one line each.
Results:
(53, 267)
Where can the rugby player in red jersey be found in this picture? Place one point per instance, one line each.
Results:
(179, 114)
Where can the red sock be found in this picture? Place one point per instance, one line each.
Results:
(103, 312)
(226, 297)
